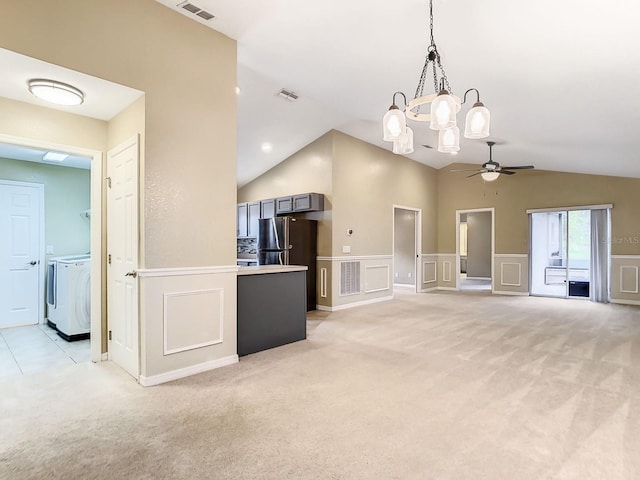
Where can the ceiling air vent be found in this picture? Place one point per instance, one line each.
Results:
(288, 94)
(190, 7)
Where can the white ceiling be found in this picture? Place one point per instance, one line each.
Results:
(103, 99)
(560, 78)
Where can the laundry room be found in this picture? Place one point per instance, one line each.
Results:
(62, 226)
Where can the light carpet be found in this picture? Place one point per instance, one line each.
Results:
(432, 386)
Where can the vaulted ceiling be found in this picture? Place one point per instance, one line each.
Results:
(560, 78)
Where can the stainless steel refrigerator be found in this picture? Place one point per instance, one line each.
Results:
(290, 241)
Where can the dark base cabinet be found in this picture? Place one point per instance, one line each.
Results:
(272, 310)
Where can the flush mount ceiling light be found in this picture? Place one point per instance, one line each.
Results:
(55, 92)
(267, 147)
(443, 110)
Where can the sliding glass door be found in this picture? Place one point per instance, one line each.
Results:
(560, 253)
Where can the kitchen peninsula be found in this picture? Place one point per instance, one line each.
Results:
(272, 307)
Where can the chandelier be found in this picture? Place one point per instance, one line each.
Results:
(444, 107)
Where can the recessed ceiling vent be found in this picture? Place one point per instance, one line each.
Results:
(190, 7)
(288, 94)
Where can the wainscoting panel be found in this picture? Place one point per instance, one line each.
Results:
(187, 321)
(625, 281)
(193, 319)
(376, 278)
(512, 274)
(375, 281)
(447, 269)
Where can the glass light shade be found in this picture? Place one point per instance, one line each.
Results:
(449, 140)
(490, 176)
(404, 144)
(477, 122)
(394, 124)
(443, 112)
(56, 92)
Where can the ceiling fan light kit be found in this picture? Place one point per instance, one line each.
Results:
(443, 109)
(491, 170)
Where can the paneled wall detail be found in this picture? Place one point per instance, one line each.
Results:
(375, 281)
(446, 266)
(625, 279)
(193, 319)
(188, 321)
(376, 278)
(512, 274)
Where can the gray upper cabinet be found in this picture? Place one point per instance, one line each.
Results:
(284, 205)
(241, 219)
(268, 208)
(252, 221)
(305, 202)
(308, 202)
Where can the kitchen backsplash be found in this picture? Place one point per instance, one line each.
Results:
(247, 245)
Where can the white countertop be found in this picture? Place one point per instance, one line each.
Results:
(260, 269)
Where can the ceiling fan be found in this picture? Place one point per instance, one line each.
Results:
(491, 170)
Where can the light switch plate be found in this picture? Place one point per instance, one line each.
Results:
(346, 249)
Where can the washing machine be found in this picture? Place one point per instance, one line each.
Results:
(73, 297)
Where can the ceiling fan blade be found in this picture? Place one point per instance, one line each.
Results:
(506, 172)
(520, 167)
(474, 174)
(464, 170)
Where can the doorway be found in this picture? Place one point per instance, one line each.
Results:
(407, 241)
(89, 217)
(569, 253)
(475, 249)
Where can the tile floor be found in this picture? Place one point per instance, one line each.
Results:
(36, 349)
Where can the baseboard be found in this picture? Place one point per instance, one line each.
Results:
(403, 285)
(506, 292)
(187, 371)
(624, 302)
(450, 289)
(105, 356)
(427, 290)
(477, 278)
(352, 305)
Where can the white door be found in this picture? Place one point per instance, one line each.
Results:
(122, 250)
(21, 295)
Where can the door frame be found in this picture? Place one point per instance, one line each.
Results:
(493, 243)
(41, 254)
(418, 249)
(96, 228)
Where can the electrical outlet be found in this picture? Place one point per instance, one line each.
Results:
(49, 249)
(409, 274)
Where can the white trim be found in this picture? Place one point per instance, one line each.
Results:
(634, 267)
(444, 254)
(95, 227)
(519, 284)
(510, 255)
(565, 209)
(430, 255)
(171, 272)
(620, 301)
(105, 356)
(323, 282)
(404, 285)
(165, 318)
(346, 258)
(352, 305)
(451, 289)
(367, 267)
(478, 278)
(519, 294)
(435, 272)
(626, 257)
(187, 371)
(445, 277)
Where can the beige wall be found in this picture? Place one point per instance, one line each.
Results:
(190, 124)
(479, 244)
(512, 196)
(308, 170)
(367, 182)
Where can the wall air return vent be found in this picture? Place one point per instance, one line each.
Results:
(190, 7)
(349, 278)
(288, 94)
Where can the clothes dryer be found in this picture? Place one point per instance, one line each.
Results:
(73, 308)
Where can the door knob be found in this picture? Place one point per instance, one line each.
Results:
(133, 274)
(33, 262)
